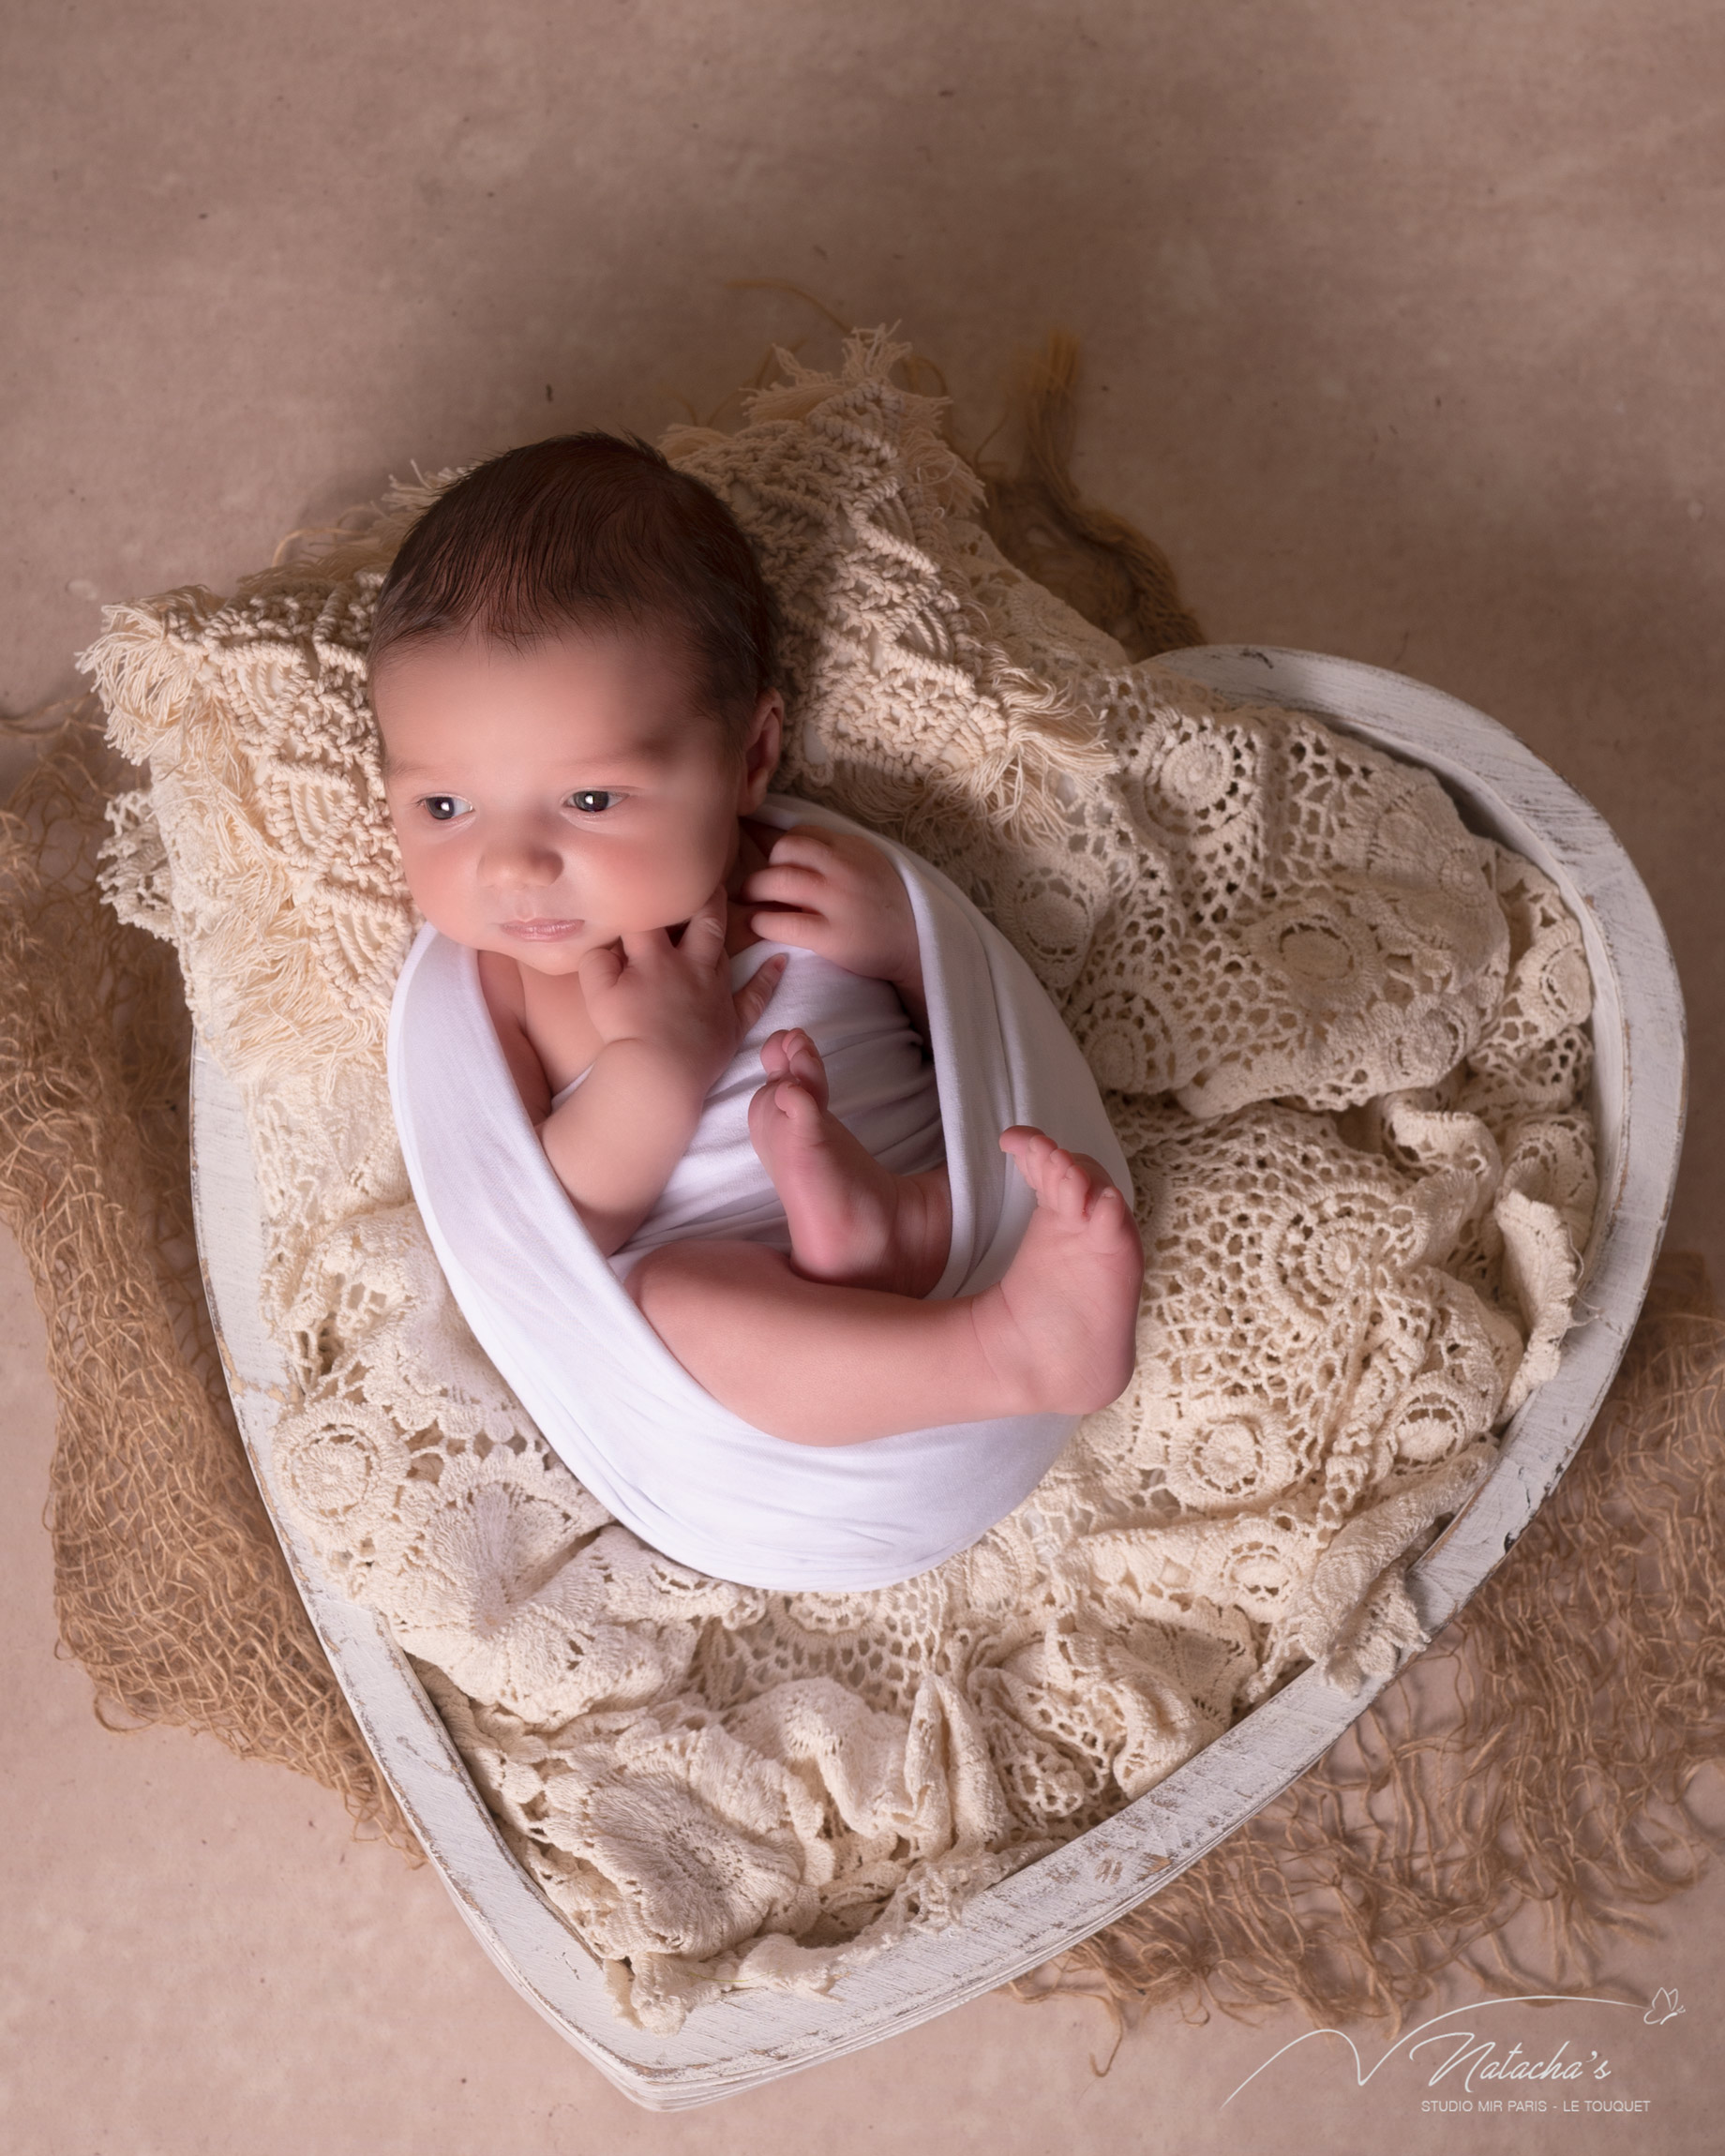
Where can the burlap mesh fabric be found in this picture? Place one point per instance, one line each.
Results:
(173, 1593)
(170, 1586)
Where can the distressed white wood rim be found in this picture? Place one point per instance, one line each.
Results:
(754, 2037)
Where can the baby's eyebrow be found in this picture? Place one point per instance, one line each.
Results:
(639, 755)
(622, 764)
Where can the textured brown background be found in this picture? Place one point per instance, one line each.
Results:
(1402, 326)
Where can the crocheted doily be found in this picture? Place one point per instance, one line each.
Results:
(1345, 1044)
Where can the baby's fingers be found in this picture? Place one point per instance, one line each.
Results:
(807, 931)
(641, 946)
(599, 970)
(787, 883)
(833, 857)
(755, 995)
(704, 936)
(805, 845)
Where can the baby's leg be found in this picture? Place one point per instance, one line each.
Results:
(825, 1365)
(853, 1223)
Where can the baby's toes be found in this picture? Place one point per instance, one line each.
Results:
(806, 1067)
(1105, 1209)
(800, 1107)
(1060, 1186)
(1066, 1188)
(767, 1112)
(1031, 1149)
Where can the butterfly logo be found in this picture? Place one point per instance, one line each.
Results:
(1664, 2006)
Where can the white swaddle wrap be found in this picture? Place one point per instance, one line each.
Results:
(689, 1477)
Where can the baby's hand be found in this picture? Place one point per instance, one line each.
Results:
(675, 998)
(840, 896)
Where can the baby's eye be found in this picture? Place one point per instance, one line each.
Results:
(592, 800)
(445, 808)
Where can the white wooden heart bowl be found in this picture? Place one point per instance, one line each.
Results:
(740, 2042)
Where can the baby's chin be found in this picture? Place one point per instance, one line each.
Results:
(555, 963)
(548, 956)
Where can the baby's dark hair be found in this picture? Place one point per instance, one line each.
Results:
(587, 531)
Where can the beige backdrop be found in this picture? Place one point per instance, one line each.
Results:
(1403, 322)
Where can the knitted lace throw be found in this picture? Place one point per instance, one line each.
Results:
(1345, 1044)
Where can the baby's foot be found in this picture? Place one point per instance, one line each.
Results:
(853, 1222)
(1062, 1327)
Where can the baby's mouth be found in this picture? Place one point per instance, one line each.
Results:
(540, 931)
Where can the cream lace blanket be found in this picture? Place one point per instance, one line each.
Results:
(1344, 1043)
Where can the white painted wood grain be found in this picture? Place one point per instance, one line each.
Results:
(754, 2037)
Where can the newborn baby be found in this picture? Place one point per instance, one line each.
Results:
(573, 675)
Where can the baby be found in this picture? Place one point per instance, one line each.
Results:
(571, 670)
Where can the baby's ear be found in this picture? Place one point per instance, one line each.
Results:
(761, 750)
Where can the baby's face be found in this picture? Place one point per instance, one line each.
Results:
(546, 801)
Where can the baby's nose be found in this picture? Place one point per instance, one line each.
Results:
(521, 863)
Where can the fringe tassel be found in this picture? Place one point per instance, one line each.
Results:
(1104, 567)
